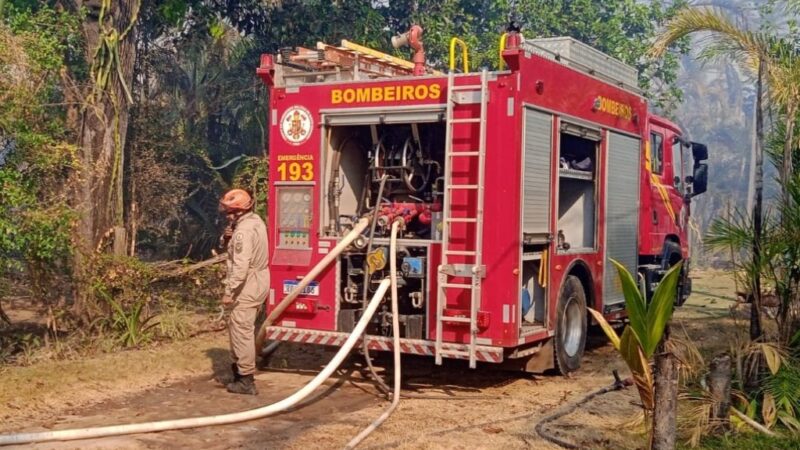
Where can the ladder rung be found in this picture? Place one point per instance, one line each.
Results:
(462, 270)
(456, 285)
(472, 120)
(456, 319)
(460, 252)
(466, 87)
(462, 186)
(465, 153)
(461, 219)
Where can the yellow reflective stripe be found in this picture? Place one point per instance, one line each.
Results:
(657, 183)
(664, 196)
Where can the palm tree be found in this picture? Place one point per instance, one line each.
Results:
(751, 50)
(785, 91)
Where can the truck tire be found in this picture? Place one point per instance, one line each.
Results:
(571, 322)
(672, 256)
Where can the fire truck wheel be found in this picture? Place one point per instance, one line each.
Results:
(672, 252)
(570, 337)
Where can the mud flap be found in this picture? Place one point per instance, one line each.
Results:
(539, 362)
(543, 360)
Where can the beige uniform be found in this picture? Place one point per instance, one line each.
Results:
(248, 283)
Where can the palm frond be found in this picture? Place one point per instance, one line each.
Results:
(692, 363)
(746, 46)
(733, 232)
(793, 6)
(784, 388)
(694, 418)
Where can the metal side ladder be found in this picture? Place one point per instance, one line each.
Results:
(472, 269)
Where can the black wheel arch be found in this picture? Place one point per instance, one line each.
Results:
(580, 269)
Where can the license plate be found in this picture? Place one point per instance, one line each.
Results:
(312, 288)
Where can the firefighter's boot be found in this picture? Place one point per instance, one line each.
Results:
(244, 385)
(235, 372)
(232, 378)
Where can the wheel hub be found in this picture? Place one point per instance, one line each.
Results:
(571, 327)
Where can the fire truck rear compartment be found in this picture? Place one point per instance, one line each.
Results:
(410, 156)
(392, 172)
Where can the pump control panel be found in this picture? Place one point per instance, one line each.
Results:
(294, 217)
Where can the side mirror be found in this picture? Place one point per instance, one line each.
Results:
(699, 151)
(699, 179)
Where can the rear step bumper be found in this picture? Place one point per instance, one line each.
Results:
(380, 343)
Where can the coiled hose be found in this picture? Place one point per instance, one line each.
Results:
(616, 386)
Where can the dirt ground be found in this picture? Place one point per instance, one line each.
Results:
(481, 408)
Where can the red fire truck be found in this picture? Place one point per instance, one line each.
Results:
(515, 188)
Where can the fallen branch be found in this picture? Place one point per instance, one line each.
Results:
(757, 426)
(183, 271)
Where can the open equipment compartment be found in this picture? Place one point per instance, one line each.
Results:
(397, 169)
(410, 156)
(577, 188)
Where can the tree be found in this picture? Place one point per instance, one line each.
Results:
(109, 30)
(645, 335)
(36, 155)
(751, 50)
(785, 91)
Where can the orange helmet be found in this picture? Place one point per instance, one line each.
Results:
(236, 200)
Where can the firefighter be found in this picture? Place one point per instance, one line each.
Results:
(246, 284)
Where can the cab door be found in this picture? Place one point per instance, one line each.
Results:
(677, 187)
(662, 214)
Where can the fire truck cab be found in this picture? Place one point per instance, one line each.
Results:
(515, 188)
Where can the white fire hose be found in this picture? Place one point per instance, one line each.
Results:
(395, 343)
(264, 411)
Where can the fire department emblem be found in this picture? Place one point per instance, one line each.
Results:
(296, 125)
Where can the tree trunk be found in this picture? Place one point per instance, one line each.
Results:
(751, 178)
(103, 125)
(787, 166)
(786, 295)
(755, 307)
(666, 402)
(719, 385)
(103, 131)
